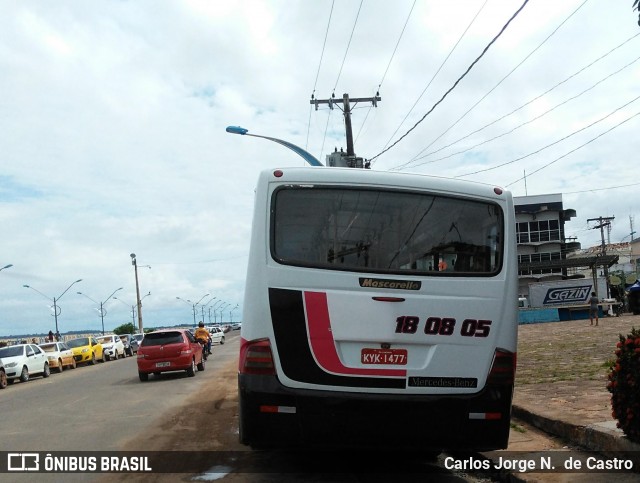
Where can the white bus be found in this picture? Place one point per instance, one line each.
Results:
(380, 309)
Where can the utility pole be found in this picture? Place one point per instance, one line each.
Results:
(604, 221)
(139, 300)
(346, 110)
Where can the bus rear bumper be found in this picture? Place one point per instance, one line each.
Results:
(272, 415)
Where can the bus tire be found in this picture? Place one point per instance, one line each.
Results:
(247, 425)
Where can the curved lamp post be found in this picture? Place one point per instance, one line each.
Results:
(215, 308)
(222, 307)
(132, 306)
(194, 306)
(231, 314)
(102, 311)
(308, 157)
(56, 309)
(204, 306)
(6, 266)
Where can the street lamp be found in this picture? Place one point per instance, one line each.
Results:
(102, 311)
(222, 307)
(215, 316)
(194, 306)
(56, 309)
(132, 306)
(308, 157)
(203, 307)
(231, 314)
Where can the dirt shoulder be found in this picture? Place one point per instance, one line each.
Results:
(563, 367)
(212, 411)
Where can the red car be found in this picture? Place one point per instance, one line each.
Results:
(169, 350)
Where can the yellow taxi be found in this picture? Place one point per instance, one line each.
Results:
(86, 349)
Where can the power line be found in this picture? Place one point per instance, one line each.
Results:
(436, 73)
(504, 78)
(532, 100)
(497, 85)
(348, 45)
(326, 128)
(199, 262)
(387, 69)
(457, 81)
(551, 144)
(579, 147)
(364, 120)
(340, 73)
(602, 189)
(324, 44)
(397, 44)
(530, 120)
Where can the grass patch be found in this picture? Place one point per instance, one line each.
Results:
(567, 351)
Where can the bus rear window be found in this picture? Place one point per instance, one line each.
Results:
(368, 230)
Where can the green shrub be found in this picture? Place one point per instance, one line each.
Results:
(624, 385)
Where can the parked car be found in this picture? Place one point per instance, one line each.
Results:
(24, 360)
(59, 355)
(112, 346)
(217, 335)
(136, 340)
(236, 326)
(226, 328)
(126, 341)
(3, 376)
(87, 349)
(169, 350)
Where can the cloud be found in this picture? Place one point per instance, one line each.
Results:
(113, 115)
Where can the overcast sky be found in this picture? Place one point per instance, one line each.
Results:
(113, 116)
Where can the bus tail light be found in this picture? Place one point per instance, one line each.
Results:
(256, 358)
(503, 368)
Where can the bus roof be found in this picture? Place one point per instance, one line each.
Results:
(366, 177)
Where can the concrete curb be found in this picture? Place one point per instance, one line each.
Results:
(594, 437)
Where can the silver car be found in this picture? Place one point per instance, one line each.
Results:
(136, 340)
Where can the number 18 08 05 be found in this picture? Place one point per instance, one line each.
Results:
(409, 324)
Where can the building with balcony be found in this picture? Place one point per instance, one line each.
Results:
(542, 245)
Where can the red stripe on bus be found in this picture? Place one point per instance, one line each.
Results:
(323, 346)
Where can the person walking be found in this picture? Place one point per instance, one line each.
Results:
(593, 309)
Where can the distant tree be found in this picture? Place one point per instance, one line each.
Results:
(636, 6)
(127, 328)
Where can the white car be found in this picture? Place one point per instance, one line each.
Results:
(59, 355)
(112, 346)
(217, 335)
(3, 376)
(23, 360)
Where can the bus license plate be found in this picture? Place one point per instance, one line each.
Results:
(384, 356)
(163, 364)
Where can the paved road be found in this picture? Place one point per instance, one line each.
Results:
(106, 408)
(95, 408)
